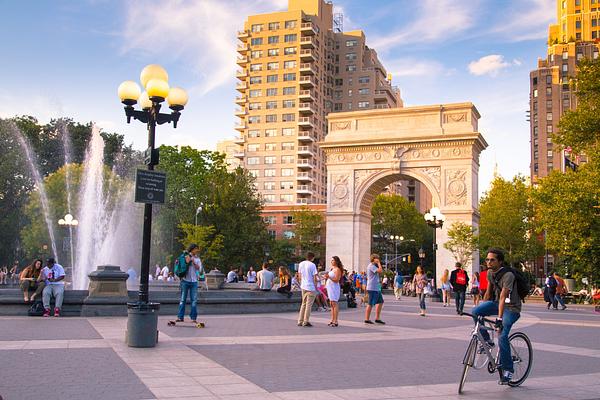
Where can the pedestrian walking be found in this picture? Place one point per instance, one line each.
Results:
(475, 288)
(307, 271)
(446, 288)
(374, 271)
(483, 280)
(561, 290)
(459, 281)
(398, 283)
(333, 288)
(420, 283)
(550, 291)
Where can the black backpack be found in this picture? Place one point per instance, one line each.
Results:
(36, 309)
(521, 282)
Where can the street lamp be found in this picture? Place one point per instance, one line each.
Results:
(396, 239)
(435, 219)
(154, 79)
(69, 221)
(198, 211)
(421, 256)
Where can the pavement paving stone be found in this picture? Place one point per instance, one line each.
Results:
(35, 328)
(587, 337)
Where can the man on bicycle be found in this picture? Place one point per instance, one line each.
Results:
(501, 299)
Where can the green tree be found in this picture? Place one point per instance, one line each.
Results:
(507, 220)
(210, 243)
(308, 225)
(283, 251)
(462, 242)
(580, 128)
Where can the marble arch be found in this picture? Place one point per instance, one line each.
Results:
(438, 145)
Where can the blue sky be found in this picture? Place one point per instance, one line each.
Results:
(66, 58)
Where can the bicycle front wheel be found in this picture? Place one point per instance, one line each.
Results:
(522, 355)
(468, 362)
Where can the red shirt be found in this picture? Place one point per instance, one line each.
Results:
(483, 280)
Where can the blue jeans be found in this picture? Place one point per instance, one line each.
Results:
(192, 288)
(558, 298)
(422, 301)
(508, 319)
(459, 297)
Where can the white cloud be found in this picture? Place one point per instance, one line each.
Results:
(201, 35)
(413, 67)
(436, 19)
(528, 20)
(489, 65)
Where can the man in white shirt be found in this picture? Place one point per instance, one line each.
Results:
(53, 274)
(157, 272)
(232, 276)
(266, 278)
(164, 272)
(308, 283)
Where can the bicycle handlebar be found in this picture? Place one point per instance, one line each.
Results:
(489, 321)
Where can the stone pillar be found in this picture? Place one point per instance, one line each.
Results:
(107, 292)
(215, 280)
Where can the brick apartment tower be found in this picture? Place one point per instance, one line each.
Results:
(575, 36)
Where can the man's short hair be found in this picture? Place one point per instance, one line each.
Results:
(374, 256)
(457, 265)
(192, 246)
(499, 253)
(51, 261)
(310, 255)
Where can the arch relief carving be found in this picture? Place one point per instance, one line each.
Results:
(435, 176)
(456, 187)
(361, 156)
(340, 190)
(437, 153)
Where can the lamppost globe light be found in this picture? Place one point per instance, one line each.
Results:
(401, 237)
(75, 222)
(129, 92)
(177, 98)
(153, 71)
(145, 102)
(61, 221)
(435, 212)
(68, 218)
(157, 88)
(428, 217)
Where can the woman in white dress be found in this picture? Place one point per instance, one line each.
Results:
(333, 288)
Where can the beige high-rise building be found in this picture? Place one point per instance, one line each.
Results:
(229, 148)
(575, 35)
(296, 66)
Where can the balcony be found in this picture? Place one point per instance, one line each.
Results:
(243, 35)
(307, 28)
(242, 48)
(242, 60)
(307, 42)
(239, 140)
(307, 55)
(240, 100)
(304, 177)
(305, 200)
(241, 74)
(304, 189)
(305, 164)
(306, 95)
(307, 68)
(306, 108)
(307, 81)
(238, 154)
(241, 87)
(240, 112)
(306, 151)
(306, 122)
(306, 136)
(241, 126)
(381, 106)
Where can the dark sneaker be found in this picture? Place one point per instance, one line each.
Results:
(46, 312)
(378, 321)
(505, 378)
(564, 308)
(300, 323)
(308, 324)
(179, 320)
(368, 321)
(57, 312)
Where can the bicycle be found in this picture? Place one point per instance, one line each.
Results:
(479, 353)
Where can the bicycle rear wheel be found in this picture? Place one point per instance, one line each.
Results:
(468, 362)
(522, 355)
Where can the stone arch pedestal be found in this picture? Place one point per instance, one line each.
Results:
(437, 145)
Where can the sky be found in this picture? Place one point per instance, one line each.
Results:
(66, 59)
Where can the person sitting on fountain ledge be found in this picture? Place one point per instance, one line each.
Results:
(53, 274)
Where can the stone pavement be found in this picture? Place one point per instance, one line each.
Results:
(268, 357)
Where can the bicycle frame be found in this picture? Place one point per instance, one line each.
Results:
(476, 333)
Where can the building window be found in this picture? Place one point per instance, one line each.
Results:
(273, 39)
(256, 41)
(289, 77)
(253, 147)
(254, 106)
(351, 43)
(350, 56)
(349, 106)
(273, 52)
(253, 160)
(270, 173)
(287, 172)
(269, 105)
(287, 146)
(548, 104)
(289, 103)
(272, 65)
(270, 159)
(535, 131)
(363, 91)
(253, 133)
(549, 140)
(594, 34)
(549, 128)
(256, 54)
(290, 24)
(288, 131)
(565, 55)
(535, 155)
(270, 132)
(273, 26)
(594, 22)
(253, 173)
(337, 107)
(549, 91)
(290, 38)
(535, 93)
(287, 159)
(270, 146)
(272, 92)
(257, 27)
(271, 78)
(270, 219)
(548, 116)
(255, 79)
(286, 185)
(289, 234)
(288, 117)
(256, 67)
(269, 186)
(254, 119)
(366, 79)
(289, 64)
(363, 104)
(289, 90)
(271, 118)
(549, 154)
(350, 68)
(577, 24)
(289, 50)
(535, 106)
(288, 220)
(269, 198)
(566, 103)
(272, 234)
(286, 198)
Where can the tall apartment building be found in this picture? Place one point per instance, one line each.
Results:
(296, 67)
(575, 35)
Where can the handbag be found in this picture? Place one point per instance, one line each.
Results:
(428, 290)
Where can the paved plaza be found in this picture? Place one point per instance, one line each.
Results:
(267, 356)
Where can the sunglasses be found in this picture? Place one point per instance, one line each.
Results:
(490, 259)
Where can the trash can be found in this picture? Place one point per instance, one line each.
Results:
(142, 324)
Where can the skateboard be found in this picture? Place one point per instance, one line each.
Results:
(175, 323)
